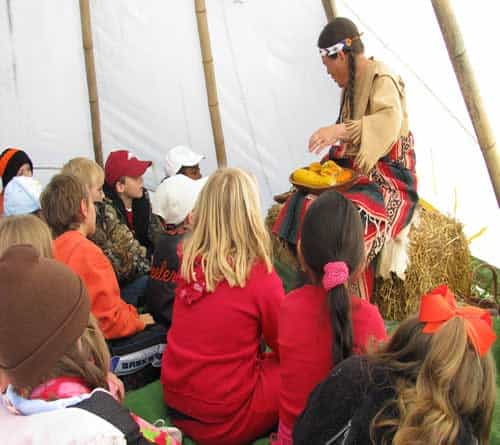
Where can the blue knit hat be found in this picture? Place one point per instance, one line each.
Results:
(22, 196)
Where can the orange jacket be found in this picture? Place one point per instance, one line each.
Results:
(116, 318)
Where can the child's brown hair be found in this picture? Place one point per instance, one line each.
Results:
(441, 379)
(61, 203)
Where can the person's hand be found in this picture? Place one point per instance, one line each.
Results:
(325, 137)
(147, 319)
(116, 387)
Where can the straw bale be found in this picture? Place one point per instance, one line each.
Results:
(280, 249)
(438, 254)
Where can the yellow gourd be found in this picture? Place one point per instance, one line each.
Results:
(306, 177)
(321, 175)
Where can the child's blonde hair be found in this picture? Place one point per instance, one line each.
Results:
(441, 379)
(26, 229)
(86, 170)
(228, 231)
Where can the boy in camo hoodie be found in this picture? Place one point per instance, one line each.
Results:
(129, 258)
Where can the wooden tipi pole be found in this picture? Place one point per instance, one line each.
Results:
(208, 68)
(330, 9)
(470, 91)
(91, 79)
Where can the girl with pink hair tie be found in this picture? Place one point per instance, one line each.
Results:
(321, 324)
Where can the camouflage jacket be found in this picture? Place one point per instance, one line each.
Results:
(129, 258)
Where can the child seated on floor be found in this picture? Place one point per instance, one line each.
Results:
(432, 383)
(70, 213)
(219, 386)
(22, 196)
(129, 258)
(13, 162)
(320, 323)
(176, 200)
(63, 367)
(124, 186)
(181, 160)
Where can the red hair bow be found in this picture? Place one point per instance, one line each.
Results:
(439, 306)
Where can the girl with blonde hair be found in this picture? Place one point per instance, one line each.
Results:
(26, 229)
(432, 383)
(220, 386)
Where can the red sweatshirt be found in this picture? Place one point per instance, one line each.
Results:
(116, 318)
(305, 343)
(213, 360)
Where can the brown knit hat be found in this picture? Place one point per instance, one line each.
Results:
(44, 309)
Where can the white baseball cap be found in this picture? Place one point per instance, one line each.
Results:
(176, 197)
(22, 196)
(180, 156)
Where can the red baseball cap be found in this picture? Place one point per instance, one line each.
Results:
(123, 163)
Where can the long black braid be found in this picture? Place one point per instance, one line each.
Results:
(350, 85)
(342, 102)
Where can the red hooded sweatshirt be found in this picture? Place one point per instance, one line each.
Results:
(213, 360)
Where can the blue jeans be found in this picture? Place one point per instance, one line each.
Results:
(133, 291)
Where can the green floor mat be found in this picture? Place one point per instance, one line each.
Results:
(148, 403)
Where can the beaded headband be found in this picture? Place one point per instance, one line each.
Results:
(335, 49)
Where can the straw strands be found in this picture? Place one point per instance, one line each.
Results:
(438, 254)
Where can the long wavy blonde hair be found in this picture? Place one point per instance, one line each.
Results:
(228, 230)
(441, 380)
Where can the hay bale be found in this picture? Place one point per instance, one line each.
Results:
(272, 214)
(438, 253)
(280, 249)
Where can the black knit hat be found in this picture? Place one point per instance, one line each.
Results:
(11, 160)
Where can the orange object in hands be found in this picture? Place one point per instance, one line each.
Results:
(344, 176)
(440, 305)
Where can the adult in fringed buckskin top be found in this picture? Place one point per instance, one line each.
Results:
(371, 136)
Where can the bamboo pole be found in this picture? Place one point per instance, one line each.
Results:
(330, 9)
(91, 79)
(210, 82)
(470, 90)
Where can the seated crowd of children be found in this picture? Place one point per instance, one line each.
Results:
(99, 280)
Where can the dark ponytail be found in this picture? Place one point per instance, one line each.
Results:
(336, 31)
(332, 231)
(340, 315)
